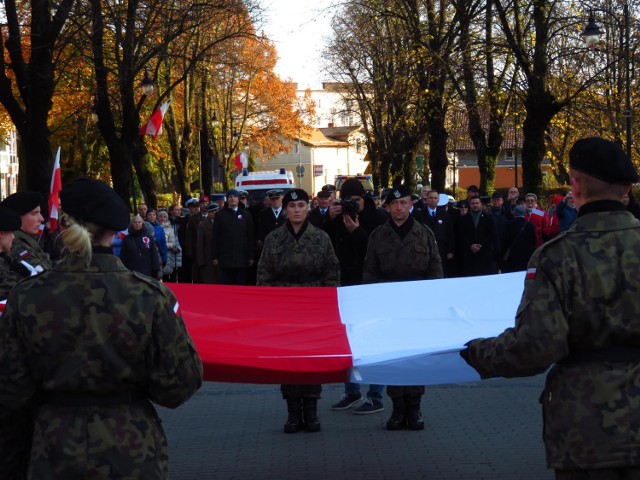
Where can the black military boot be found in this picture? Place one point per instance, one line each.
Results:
(397, 421)
(413, 413)
(310, 412)
(294, 421)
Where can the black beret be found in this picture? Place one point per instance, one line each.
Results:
(398, 192)
(602, 159)
(9, 220)
(96, 202)
(22, 202)
(295, 195)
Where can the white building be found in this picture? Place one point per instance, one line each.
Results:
(332, 109)
(317, 157)
(8, 165)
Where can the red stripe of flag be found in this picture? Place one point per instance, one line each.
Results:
(266, 335)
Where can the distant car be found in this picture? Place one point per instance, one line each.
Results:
(364, 179)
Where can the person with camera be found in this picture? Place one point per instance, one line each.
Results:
(353, 218)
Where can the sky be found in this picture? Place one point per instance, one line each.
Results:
(299, 28)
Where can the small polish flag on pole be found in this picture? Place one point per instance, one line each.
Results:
(54, 193)
(241, 160)
(154, 125)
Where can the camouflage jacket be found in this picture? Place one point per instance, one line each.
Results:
(95, 331)
(306, 262)
(392, 259)
(10, 274)
(581, 297)
(26, 248)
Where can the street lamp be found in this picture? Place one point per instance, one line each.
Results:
(147, 84)
(592, 35)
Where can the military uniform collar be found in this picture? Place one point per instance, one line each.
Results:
(100, 262)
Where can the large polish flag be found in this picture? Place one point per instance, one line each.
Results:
(406, 333)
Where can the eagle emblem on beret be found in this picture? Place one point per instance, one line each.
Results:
(294, 196)
(396, 194)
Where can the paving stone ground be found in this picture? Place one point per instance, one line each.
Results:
(486, 430)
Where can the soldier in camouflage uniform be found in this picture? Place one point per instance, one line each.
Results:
(26, 249)
(92, 344)
(298, 255)
(15, 426)
(402, 249)
(580, 312)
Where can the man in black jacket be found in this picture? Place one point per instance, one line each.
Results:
(441, 224)
(477, 236)
(349, 235)
(233, 242)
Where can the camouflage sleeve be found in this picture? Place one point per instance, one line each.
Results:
(539, 337)
(175, 368)
(331, 266)
(265, 275)
(435, 262)
(16, 384)
(371, 267)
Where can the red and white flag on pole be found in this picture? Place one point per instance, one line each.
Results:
(154, 125)
(242, 160)
(54, 193)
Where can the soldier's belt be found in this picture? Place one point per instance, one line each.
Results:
(617, 354)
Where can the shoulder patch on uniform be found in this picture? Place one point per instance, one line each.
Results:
(531, 274)
(150, 281)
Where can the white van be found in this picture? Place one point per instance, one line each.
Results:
(257, 184)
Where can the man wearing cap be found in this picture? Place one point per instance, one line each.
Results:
(402, 249)
(243, 196)
(319, 216)
(580, 315)
(271, 217)
(233, 246)
(207, 272)
(197, 213)
(26, 248)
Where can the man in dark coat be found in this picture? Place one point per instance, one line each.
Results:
(441, 224)
(271, 217)
(477, 236)
(319, 216)
(233, 242)
(349, 236)
(519, 242)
